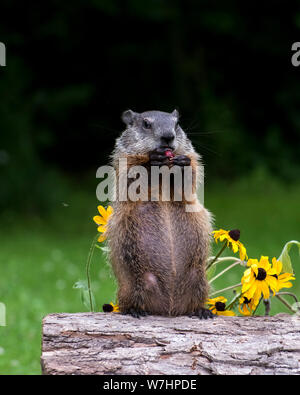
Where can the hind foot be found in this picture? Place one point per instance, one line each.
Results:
(202, 313)
(136, 313)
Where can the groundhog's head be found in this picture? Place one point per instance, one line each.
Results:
(150, 130)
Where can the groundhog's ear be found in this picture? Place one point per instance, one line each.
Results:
(128, 117)
(175, 113)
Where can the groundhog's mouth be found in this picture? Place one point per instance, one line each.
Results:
(169, 153)
(165, 148)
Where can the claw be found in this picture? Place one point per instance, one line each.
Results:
(181, 160)
(135, 313)
(158, 157)
(202, 314)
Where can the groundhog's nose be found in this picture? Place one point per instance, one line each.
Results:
(167, 139)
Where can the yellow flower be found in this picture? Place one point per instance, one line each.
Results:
(259, 279)
(218, 306)
(282, 279)
(102, 220)
(232, 239)
(246, 306)
(115, 307)
(111, 308)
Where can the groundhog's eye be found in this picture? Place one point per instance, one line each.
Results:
(146, 124)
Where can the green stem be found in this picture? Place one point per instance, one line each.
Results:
(289, 294)
(267, 303)
(257, 306)
(226, 289)
(217, 256)
(224, 271)
(225, 258)
(282, 300)
(88, 265)
(233, 301)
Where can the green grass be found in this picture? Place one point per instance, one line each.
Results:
(42, 258)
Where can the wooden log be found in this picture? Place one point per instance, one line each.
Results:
(111, 343)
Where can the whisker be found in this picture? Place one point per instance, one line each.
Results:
(105, 128)
(208, 149)
(204, 133)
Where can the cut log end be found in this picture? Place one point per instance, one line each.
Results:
(111, 343)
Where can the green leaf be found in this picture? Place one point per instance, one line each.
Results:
(285, 257)
(84, 293)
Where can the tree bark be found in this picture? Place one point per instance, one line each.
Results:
(111, 343)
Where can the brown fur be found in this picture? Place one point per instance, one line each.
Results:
(158, 252)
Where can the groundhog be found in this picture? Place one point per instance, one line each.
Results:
(158, 249)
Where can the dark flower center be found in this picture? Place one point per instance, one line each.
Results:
(261, 275)
(235, 234)
(246, 300)
(220, 306)
(107, 308)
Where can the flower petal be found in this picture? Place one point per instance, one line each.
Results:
(286, 285)
(217, 299)
(243, 253)
(102, 212)
(272, 282)
(109, 211)
(234, 246)
(265, 289)
(101, 229)
(264, 263)
(101, 238)
(254, 268)
(249, 289)
(286, 276)
(277, 265)
(99, 220)
(223, 237)
(226, 313)
(252, 262)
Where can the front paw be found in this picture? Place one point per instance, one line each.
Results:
(181, 160)
(202, 313)
(159, 157)
(136, 313)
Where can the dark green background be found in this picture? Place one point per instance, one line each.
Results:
(72, 68)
